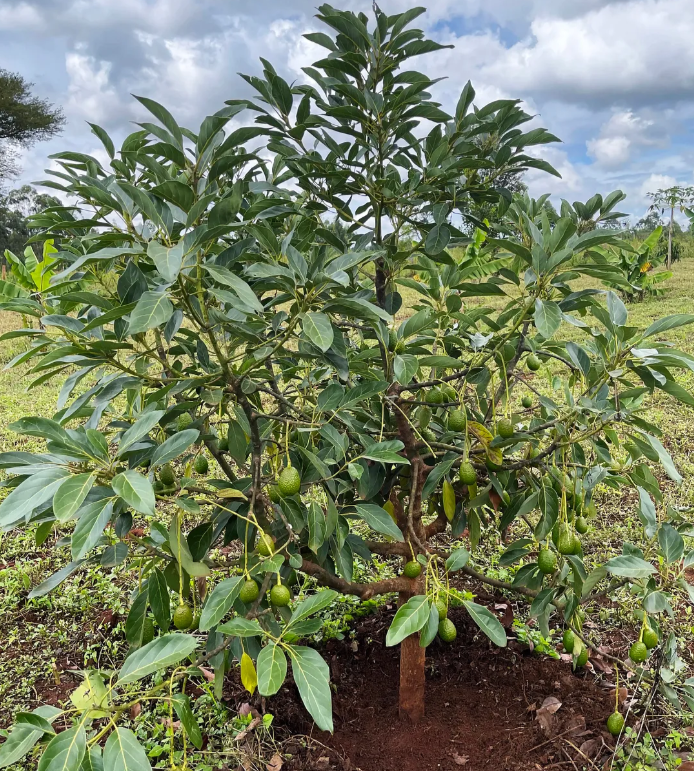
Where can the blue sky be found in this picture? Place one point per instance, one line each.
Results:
(614, 79)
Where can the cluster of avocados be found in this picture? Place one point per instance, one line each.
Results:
(447, 630)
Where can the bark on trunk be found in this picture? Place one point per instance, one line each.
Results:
(669, 239)
(412, 659)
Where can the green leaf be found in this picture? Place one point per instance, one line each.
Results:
(179, 548)
(159, 654)
(439, 471)
(219, 603)
(272, 669)
(629, 566)
(135, 623)
(314, 603)
(167, 261)
(21, 739)
(153, 309)
(579, 357)
(316, 527)
(30, 494)
(410, 618)
(57, 578)
(319, 330)
(548, 317)
(181, 704)
(65, 751)
(593, 579)
(405, 367)
(487, 622)
(386, 452)
(159, 598)
(616, 309)
(437, 239)
(106, 140)
(71, 494)
(656, 602)
(458, 559)
(32, 719)
(663, 455)
(174, 446)
(93, 519)
(312, 678)
(163, 116)
(242, 290)
(179, 194)
(139, 429)
(124, 753)
(668, 322)
(431, 627)
(135, 490)
(92, 760)
(379, 520)
(671, 543)
(241, 627)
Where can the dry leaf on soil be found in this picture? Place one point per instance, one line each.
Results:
(545, 715)
(275, 763)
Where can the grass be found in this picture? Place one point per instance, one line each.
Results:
(81, 625)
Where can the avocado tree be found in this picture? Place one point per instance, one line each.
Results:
(224, 316)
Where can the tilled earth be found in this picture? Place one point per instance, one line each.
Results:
(484, 708)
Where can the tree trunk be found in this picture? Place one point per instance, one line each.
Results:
(669, 239)
(412, 658)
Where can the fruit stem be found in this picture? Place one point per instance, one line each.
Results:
(616, 691)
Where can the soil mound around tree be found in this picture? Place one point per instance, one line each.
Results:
(487, 708)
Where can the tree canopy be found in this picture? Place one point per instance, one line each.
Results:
(24, 118)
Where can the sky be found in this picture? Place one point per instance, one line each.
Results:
(613, 79)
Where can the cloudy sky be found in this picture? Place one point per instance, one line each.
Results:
(614, 79)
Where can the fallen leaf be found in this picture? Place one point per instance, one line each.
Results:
(551, 704)
(576, 725)
(600, 663)
(460, 760)
(135, 710)
(166, 722)
(245, 709)
(275, 763)
(545, 715)
(591, 748)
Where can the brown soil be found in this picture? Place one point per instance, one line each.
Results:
(482, 708)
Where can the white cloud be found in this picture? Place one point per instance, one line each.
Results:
(612, 78)
(637, 51)
(20, 16)
(622, 135)
(90, 95)
(656, 182)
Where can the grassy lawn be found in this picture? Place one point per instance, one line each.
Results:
(81, 624)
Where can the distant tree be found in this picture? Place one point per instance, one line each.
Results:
(648, 223)
(671, 198)
(24, 119)
(15, 207)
